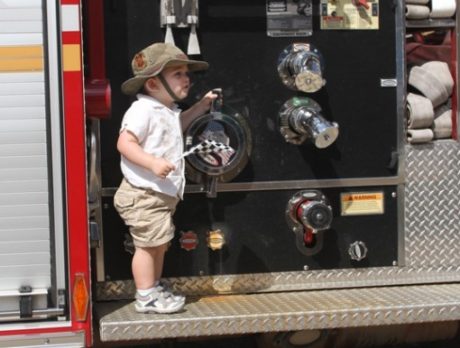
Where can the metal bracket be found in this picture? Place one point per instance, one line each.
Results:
(179, 13)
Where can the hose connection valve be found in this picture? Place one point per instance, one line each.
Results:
(307, 213)
(300, 119)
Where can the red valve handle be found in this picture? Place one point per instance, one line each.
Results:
(361, 3)
(308, 235)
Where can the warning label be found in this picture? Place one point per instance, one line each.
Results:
(348, 15)
(362, 203)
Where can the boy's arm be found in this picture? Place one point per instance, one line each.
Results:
(197, 109)
(128, 146)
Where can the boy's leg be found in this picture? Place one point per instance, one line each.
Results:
(143, 267)
(158, 265)
(158, 259)
(146, 265)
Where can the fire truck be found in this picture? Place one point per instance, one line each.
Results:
(335, 213)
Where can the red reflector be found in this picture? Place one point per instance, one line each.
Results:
(80, 297)
(98, 97)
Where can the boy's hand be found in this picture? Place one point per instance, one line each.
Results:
(161, 167)
(128, 145)
(198, 109)
(206, 101)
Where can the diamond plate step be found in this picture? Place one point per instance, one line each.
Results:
(240, 314)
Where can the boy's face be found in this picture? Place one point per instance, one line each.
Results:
(178, 80)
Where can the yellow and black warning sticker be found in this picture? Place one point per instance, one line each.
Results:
(362, 203)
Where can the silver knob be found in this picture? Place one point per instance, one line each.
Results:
(315, 215)
(357, 251)
(300, 67)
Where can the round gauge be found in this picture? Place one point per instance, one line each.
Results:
(230, 149)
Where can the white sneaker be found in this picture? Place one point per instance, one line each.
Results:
(168, 292)
(158, 302)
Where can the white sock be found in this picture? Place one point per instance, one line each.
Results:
(144, 292)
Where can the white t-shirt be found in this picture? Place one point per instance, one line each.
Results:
(159, 132)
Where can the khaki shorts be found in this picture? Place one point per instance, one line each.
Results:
(147, 213)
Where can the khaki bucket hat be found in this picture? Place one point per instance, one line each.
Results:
(152, 60)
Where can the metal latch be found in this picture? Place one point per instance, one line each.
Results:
(25, 301)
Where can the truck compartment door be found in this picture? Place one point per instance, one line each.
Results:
(32, 267)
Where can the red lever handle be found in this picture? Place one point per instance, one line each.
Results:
(362, 3)
(308, 237)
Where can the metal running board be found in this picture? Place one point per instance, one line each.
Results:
(286, 311)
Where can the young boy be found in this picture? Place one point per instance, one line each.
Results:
(150, 143)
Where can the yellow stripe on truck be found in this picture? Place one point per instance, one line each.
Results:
(21, 58)
(71, 57)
